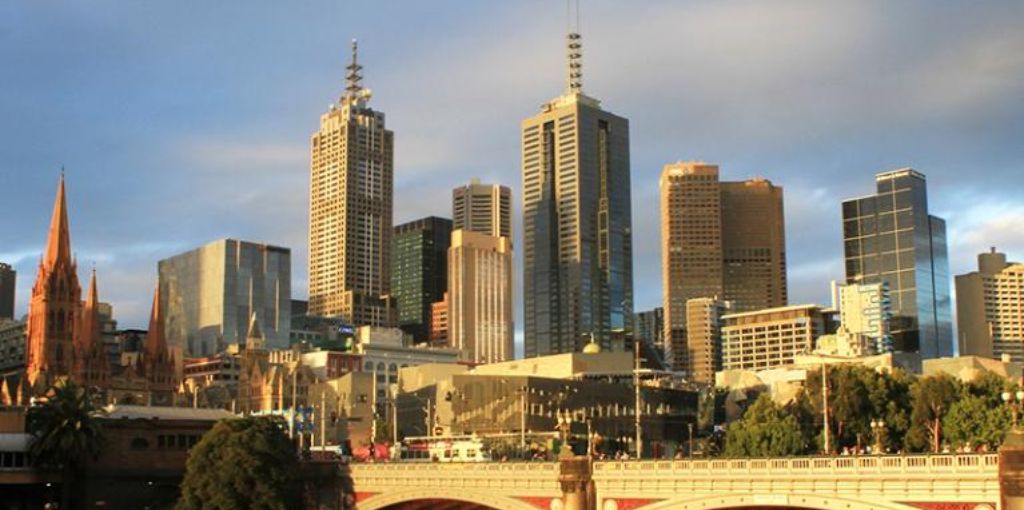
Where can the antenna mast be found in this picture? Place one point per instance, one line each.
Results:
(574, 51)
(354, 76)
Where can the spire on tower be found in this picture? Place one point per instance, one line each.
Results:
(354, 77)
(574, 52)
(58, 242)
(156, 341)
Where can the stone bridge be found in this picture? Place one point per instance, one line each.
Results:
(908, 482)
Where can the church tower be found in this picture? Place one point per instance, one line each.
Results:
(91, 366)
(55, 305)
(157, 360)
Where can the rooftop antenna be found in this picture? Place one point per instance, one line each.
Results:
(574, 50)
(354, 76)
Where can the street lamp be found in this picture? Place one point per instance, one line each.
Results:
(1017, 406)
(564, 425)
(878, 427)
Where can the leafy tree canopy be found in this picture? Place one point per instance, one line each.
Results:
(245, 463)
(766, 430)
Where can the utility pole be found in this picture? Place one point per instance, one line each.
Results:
(373, 408)
(522, 418)
(295, 391)
(323, 417)
(824, 410)
(636, 398)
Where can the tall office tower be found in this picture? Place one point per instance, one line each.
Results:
(722, 240)
(649, 328)
(753, 245)
(865, 310)
(484, 208)
(577, 226)
(704, 337)
(990, 308)
(480, 296)
(209, 294)
(419, 271)
(691, 248)
(890, 237)
(8, 276)
(350, 210)
(55, 305)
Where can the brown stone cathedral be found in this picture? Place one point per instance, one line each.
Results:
(63, 338)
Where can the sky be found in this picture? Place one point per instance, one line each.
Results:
(179, 123)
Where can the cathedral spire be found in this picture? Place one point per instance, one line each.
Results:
(89, 332)
(156, 342)
(58, 241)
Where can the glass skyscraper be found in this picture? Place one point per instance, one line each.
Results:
(577, 238)
(419, 271)
(890, 237)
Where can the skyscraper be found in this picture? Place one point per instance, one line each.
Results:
(890, 237)
(704, 337)
(8, 277)
(484, 208)
(209, 294)
(719, 240)
(577, 227)
(990, 304)
(350, 216)
(649, 327)
(480, 318)
(419, 271)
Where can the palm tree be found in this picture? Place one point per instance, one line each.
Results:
(64, 432)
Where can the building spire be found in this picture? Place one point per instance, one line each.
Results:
(574, 52)
(58, 241)
(354, 77)
(156, 341)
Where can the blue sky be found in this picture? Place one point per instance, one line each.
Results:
(184, 122)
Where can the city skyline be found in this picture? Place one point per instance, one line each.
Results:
(105, 185)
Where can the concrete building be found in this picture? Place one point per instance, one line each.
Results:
(419, 272)
(212, 291)
(990, 308)
(865, 311)
(440, 325)
(890, 237)
(718, 240)
(649, 328)
(483, 208)
(771, 338)
(385, 352)
(480, 296)
(704, 338)
(577, 224)
(350, 209)
(8, 277)
(12, 347)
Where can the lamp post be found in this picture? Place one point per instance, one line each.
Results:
(878, 427)
(564, 426)
(1015, 406)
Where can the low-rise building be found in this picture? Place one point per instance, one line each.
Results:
(772, 337)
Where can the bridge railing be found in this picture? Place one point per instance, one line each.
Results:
(818, 465)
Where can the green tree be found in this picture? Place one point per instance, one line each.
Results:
(766, 430)
(65, 433)
(972, 421)
(241, 464)
(933, 397)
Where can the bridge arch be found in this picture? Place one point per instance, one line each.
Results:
(483, 499)
(780, 501)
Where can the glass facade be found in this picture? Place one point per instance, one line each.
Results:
(890, 238)
(577, 233)
(419, 271)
